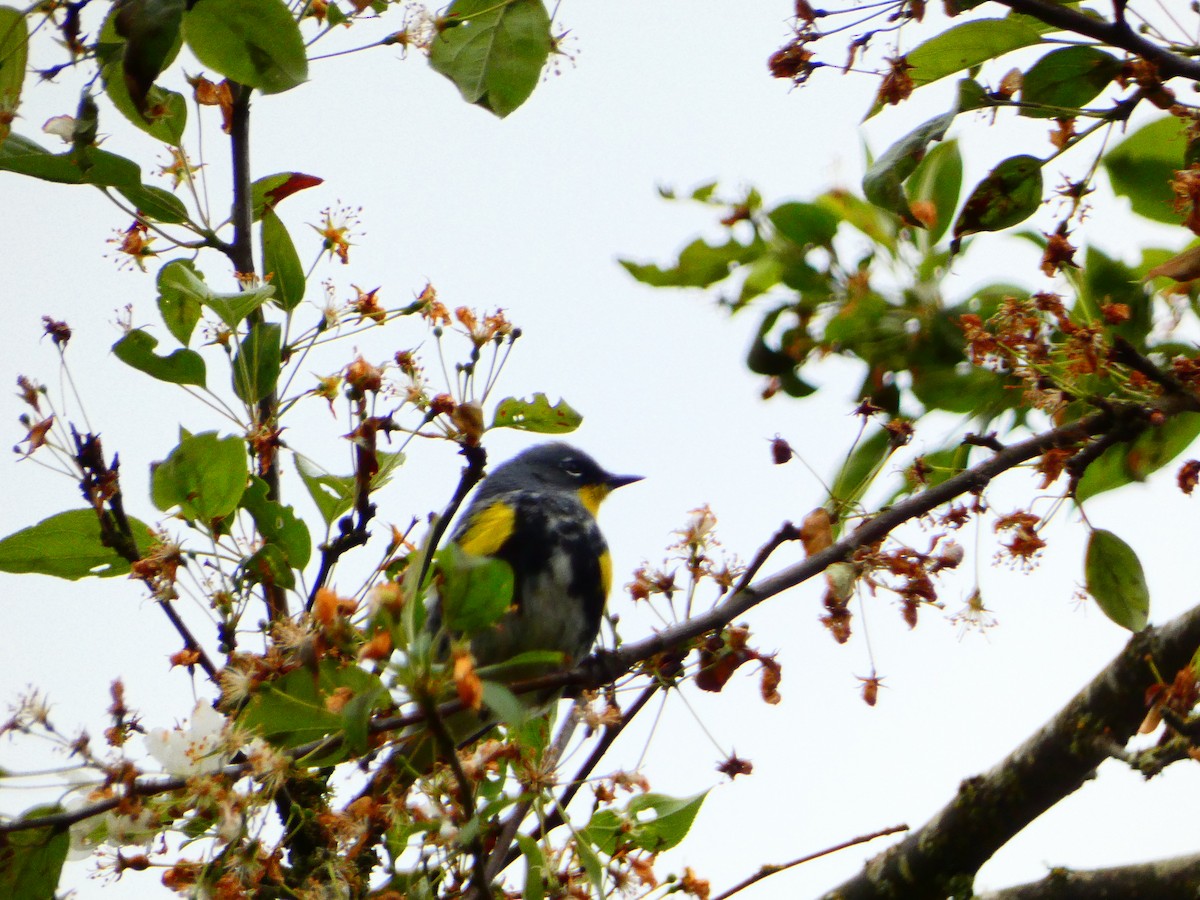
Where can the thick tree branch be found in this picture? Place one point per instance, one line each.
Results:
(1115, 34)
(943, 856)
(1176, 877)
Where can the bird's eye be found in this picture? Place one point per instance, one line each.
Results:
(572, 467)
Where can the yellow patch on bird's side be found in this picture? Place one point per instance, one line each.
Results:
(488, 529)
(592, 494)
(605, 573)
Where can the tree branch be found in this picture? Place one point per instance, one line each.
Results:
(943, 856)
(1116, 34)
(1178, 877)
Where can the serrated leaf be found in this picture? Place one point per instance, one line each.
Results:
(536, 415)
(253, 42)
(883, 184)
(204, 476)
(181, 293)
(258, 361)
(281, 263)
(496, 55)
(136, 349)
(31, 860)
(68, 545)
(1115, 579)
(14, 57)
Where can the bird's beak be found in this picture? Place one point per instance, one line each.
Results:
(612, 482)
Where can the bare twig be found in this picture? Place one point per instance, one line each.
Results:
(769, 870)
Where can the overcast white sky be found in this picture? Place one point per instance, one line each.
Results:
(529, 214)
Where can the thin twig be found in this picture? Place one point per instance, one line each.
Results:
(769, 870)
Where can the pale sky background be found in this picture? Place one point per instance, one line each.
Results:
(530, 214)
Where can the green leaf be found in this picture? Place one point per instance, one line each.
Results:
(475, 591)
(877, 225)
(966, 46)
(938, 180)
(536, 415)
(592, 866)
(604, 831)
(253, 42)
(233, 308)
(1010, 194)
(333, 494)
(535, 868)
(14, 57)
(268, 191)
(496, 55)
(883, 184)
(96, 167)
(269, 565)
(281, 263)
(31, 861)
(1143, 165)
(299, 708)
(205, 476)
(165, 117)
(181, 293)
(136, 349)
(700, 264)
(138, 40)
(1123, 464)
(670, 823)
(1067, 79)
(857, 471)
(804, 224)
(1115, 579)
(508, 707)
(258, 361)
(68, 545)
(278, 524)
(156, 203)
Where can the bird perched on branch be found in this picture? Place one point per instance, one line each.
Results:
(537, 513)
(526, 572)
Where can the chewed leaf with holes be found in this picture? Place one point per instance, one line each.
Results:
(536, 415)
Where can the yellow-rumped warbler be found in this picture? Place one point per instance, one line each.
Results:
(537, 512)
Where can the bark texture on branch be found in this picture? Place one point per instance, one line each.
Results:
(942, 857)
(1177, 877)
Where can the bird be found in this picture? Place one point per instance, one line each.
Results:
(536, 513)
